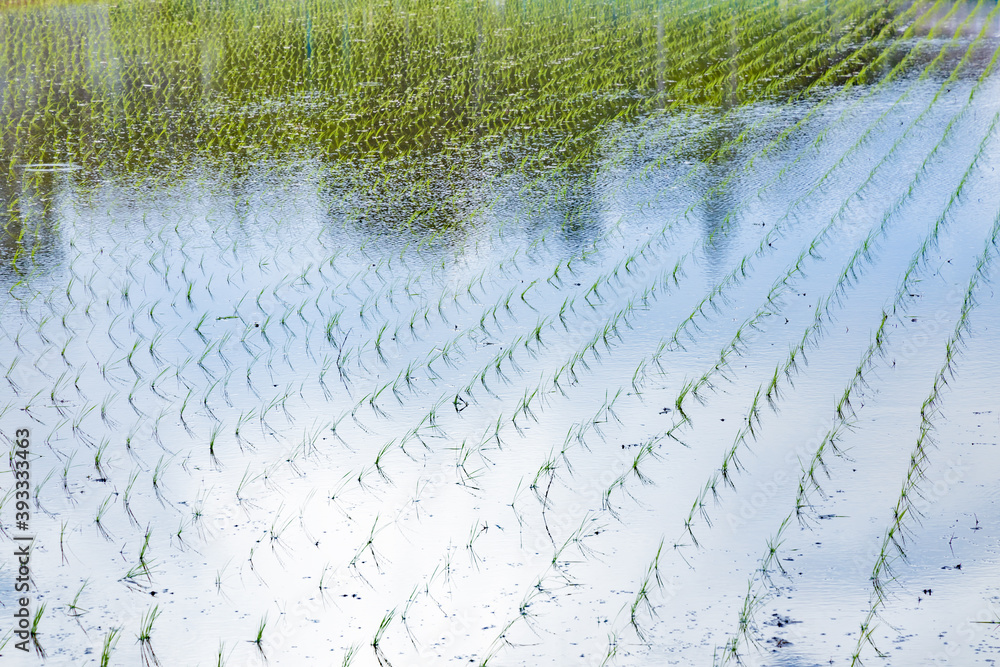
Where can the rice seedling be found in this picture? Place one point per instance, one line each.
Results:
(110, 642)
(156, 478)
(258, 640)
(102, 510)
(211, 441)
(74, 608)
(78, 424)
(62, 543)
(278, 527)
(145, 636)
(245, 480)
(349, 655)
(221, 655)
(99, 458)
(376, 642)
(369, 547)
(33, 633)
(37, 491)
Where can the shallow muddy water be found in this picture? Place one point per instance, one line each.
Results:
(516, 333)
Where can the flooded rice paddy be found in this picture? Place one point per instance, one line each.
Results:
(511, 333)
